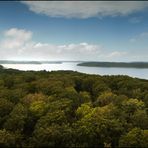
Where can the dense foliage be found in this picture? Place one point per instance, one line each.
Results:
(71, 109)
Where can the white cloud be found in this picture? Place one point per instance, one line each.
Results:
(139, 37)
(85, 9)
(18, 43)
(15, 38)
(135, 20)
(31, 50)
(132, 40)
(71, 51)
(116, 54)
(143, 35)
(113, 56)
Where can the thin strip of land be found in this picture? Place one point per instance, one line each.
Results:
(29, 62)
(115, 64)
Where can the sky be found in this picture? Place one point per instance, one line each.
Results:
(74, 30)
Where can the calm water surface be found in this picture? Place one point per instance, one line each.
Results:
(133, 72)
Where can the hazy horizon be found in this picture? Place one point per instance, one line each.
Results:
(71, 61)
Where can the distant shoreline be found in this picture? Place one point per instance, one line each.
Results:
(36, 62)
(29, 62)
(140, 65)
(115, 64)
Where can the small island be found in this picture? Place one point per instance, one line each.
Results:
(115, 64)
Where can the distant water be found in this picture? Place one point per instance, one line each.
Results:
(133, 72)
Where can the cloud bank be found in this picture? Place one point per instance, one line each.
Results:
(15, 38)
(18, 44)
(85, 9)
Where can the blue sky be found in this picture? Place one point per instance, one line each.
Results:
(101, 31)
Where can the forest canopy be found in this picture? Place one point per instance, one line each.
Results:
(71, 109)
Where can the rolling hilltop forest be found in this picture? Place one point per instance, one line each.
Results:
(71, 109)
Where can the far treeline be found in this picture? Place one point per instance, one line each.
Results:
(71, 109)
(115, 64)
(29, 62)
